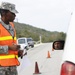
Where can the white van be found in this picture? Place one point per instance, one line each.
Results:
(23, 42)
(68, 60)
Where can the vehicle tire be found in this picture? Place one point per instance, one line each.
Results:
(26, 48)
(32, 46)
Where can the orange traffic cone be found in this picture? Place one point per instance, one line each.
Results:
(36, 68)
(48, 56)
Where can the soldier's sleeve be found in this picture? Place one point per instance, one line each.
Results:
(3, 49)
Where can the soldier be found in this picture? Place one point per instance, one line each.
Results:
(9, 49)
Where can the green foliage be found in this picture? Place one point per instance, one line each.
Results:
(25, 30)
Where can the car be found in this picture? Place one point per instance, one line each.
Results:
(23, 43)
(68, 59)
(30, 42)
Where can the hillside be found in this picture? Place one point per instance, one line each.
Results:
(25, 30)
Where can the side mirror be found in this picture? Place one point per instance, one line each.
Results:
(58, 45)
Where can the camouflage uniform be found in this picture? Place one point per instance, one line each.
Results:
(4, 49)
(8, 70)
(12, 70)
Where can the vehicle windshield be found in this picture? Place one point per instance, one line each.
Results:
(29, 40)
(21, 41)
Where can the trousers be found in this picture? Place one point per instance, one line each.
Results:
(11, 70)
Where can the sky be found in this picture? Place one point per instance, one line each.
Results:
(51, 15)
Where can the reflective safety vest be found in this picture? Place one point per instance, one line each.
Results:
(10, 59)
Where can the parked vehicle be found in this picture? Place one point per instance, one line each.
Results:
(68, 60)
(30, 42)
(23, 42)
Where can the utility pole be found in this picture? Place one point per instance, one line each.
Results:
(16, 20)
(40, 38)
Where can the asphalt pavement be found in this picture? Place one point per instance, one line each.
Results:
(41, 62)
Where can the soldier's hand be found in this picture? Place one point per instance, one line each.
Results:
(20, 53)
(14, 47)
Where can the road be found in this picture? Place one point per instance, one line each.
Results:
(39, 54)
